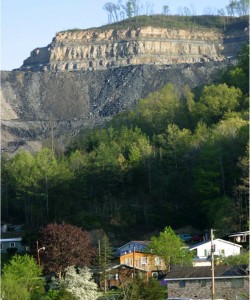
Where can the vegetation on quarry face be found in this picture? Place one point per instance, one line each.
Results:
(175, 158)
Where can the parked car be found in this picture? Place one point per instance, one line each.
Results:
(198, 238)
(185, 237)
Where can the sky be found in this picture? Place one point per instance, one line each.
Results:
(28, 24)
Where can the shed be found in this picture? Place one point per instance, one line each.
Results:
(9, 244)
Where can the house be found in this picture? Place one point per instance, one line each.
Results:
(221, 248)
(152, 264)
(8, 245)
(196, 283)
(240, 237)
(118, 274)
(133, 246)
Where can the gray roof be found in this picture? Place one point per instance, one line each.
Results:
(144, 243)
(17, 239)
(205, 272)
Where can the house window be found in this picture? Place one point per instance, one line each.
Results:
(207, 252)
(222, 252)
(112, 276)
(128, 261)
(157, 261)
(237, 283)
(12, 244)
(182, 283)
(144, 260)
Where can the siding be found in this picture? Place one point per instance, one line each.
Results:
(228, 289)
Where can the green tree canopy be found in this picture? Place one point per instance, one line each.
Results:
(215, 101)
(170, 248)
(21, 278)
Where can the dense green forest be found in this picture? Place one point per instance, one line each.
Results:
(180, 157)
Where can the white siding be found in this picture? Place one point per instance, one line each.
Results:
(222, 248)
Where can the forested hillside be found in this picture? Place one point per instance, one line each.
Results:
(179, 158)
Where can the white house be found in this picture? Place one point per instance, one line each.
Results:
(221, 248)
(133, 246)
(6, 245)
(240, 237)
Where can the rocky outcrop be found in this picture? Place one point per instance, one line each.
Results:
(111, 70)
(102, 49)
(36, 103)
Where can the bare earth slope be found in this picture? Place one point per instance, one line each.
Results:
(83, 78)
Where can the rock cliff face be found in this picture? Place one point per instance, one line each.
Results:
(98, 50)
(110, 71)
(35, 103)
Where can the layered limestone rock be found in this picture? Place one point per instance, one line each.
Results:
(90, 49)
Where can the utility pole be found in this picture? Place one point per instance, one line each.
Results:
(38, 254)
(99, 260)
(134, 263)
(212, 262)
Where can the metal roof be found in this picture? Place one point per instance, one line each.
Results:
(223, 241)
(17, 239)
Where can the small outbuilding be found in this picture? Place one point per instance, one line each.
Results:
(12, 245)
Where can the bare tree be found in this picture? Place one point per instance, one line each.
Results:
(187, 11)
(165, 10)
(111, 9)
(193, 9)
(209, 10)
(222, 13)
(242, 7)
(149, 9)
(231, 8)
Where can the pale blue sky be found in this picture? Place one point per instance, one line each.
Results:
(28, 24)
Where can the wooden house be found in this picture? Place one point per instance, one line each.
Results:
(152, 264)
(116, 275)
(132, 246)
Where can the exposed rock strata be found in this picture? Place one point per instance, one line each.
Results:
(113, 69)
(35, 102)
(95, 50)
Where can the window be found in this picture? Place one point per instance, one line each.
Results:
(182, 283)
(112, 276)
(155, 274)
(207, 252)
(128, 261)
(12, 244)
(144, 260)
(222, 252)
(157, 261)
